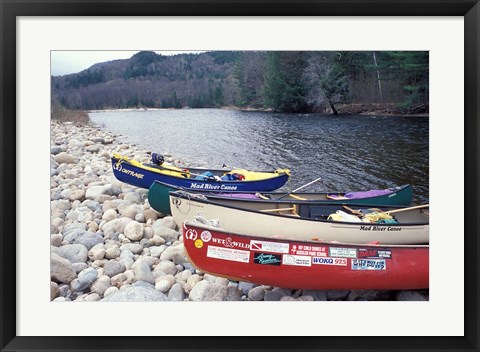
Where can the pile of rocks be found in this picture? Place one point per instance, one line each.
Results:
(108, 244)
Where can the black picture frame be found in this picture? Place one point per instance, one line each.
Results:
(10, 10)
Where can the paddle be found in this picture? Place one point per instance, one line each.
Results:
(299, 188)
(405, 209)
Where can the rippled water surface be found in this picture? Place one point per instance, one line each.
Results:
(348, 152)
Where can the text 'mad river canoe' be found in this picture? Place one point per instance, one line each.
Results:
(308, 222)
(402, 195)
(303, 265)
(143, 175)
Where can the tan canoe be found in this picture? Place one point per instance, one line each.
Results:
(283, 222)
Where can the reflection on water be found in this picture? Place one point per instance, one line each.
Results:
(348, 152)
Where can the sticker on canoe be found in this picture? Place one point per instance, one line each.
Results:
(298, 260)
(120, 168)
(229, 242)
(268, 259)
(234, 255)
(342, 252)
(373, 253)
(379, 228)
(206, 236)
(274, 247)
(329, 261)
(191, 235)
(199, 243)
(314, 251)
(195, 185)
(369, 264)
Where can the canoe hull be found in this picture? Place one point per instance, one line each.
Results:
(284, 227)
(301, 265)
(142, 177)
(158, 197)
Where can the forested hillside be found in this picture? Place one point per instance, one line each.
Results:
(287, 81)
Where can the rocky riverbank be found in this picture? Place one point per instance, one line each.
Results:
(108, 244)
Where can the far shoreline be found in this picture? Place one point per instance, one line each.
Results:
(343, 110)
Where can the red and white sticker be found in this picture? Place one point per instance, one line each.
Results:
(206, 236)
(191, 235)
(266, 246)
(314, 251)
(298, 260)
(234, 255)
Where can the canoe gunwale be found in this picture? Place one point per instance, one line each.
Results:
(183, 196)
(319, 242)
(275, 175)
(213, 193)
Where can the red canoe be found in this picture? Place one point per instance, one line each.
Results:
(303, 265)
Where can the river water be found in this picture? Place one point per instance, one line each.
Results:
(348, 152)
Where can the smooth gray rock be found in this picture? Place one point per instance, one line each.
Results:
(92, 205)
(64, 158)
(118, 225)
(166, 267)
(256, 293)
(133, 197)
(95, 191)
(93, 148)
(101, 285)
(142, 284)
(142, 272)
(167, 221)
(233, 294)
(78, 194)
(167, 233)
(136, 294)
(134, 231)
(88, 239)
(175, 254)
(75, 253)
(176, 293)
(53, 290)
(55, 150)
(84, 280)
(135, 248)
(272, 296)
(207, 291)
(78, 267)
(113, 267)
(245, 287)
(61, 270)
(56, 240)
(60, 205)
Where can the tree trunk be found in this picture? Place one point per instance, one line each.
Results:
(335, 112)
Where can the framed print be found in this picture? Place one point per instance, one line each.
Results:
(31, 31)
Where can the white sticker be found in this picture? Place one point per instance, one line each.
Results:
(235, 255)
(329, 261)
(206, 236)
(299, 260)
(369, 264)
(274, 247)
(191, 234)
(342, 252)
